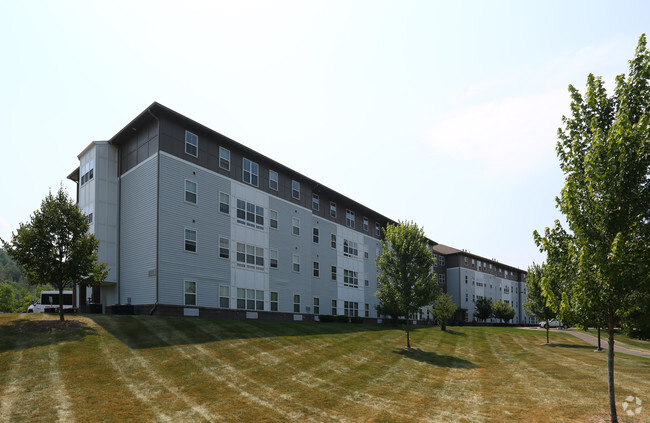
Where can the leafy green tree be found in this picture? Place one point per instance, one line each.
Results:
(443, 309)
(483, 308)
(8, 303)
(604, 152)
(504, 311)
(55, 247)
(406, 281)
(536, 304)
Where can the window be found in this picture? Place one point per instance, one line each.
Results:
(333, 240)
(274, 301)
(350, 248)
(350, 278)
(190, 191)
(89, 211)
(316, 269)
(190, 293)
(259, 299)
(273, 258)
(349, 218)
(351, 308)
(224, 296)
(224, 203)
(224, 247)
(365, 224)
(241, 298)
(191, 144)
(465, 278)
(315, 202)
(296, 303)
(273, 180)
(333, 307)
(332, 209)
(296, 263)
(316, 235)
(295, 224)
(441, 279)
(377, 229)
(273, 217)
(368, 310)
(333, 273)
(87, 172)
(365, 251)
(316, 305)
(250, 172)
(224, 158)
(190, 240)
(250, 256)
(465, 261)
(250, 214)
(250, 299)
(367, 282)
(442, 260)
(295, 189)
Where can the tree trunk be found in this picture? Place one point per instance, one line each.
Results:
(61, 318)
(408, 340)
(610, 368)
(599, 347)
(547, 328)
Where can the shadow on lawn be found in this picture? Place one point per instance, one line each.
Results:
(138, 331)
(27, 333)
(453, 332)
(435, 359)
(574, 346)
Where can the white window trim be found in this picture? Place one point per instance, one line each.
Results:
(277, 180)
(277, 219)
(196, 293)
(196, 194)
(335, 211)
(197, 144)
(293, 263)
(196, 241)
(293, 220)
(313, 268)
(243, 159)
(277, 259)
(228, 241)
(315, 197)
(293, 181)
(222, 167)
(229, 201)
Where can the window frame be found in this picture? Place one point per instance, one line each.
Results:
(295, 189)
(295, 261)
(316, 308)
(315, 202)
(316, 269)
(221, 203)
(334, 274)
(333, 210)
(189, 135)
(223, 160)
(276, 220)
(226, 248)
(315, 235)
(195, 193)
(250, 172)
(296, 296)
(186, 292)
(274, 304)
(350, 219)
(295, 228)
(186, 240)
(366, 224)
(222, 297)
(274, 252)
(272, 179)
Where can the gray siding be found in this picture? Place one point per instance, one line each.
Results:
(138, 233)
(175, 264)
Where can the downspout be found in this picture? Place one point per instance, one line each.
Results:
(119, 221)
(153, 309)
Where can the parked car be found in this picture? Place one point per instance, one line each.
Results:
(553, 323)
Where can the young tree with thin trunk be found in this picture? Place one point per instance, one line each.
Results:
(536, 304)
(443, 309)
(604, 152)
(406, 281)
(483, 308)
(56, 248)
(504, 311)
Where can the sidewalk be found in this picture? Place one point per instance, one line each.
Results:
(590, 339)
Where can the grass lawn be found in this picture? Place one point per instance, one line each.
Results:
(141, 368)
(622, 339)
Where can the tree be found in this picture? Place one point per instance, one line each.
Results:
(406, 282)
(483, 308)
(536, 304)
(504, 311)
(8, 303)
(56, 248)
(604, 152)
(443, 309)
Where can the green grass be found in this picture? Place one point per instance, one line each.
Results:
(141, 368)
(622, 339)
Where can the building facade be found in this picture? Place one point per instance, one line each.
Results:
(191, 222)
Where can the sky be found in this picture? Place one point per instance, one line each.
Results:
(443, 113)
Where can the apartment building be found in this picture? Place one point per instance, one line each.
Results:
(191, 222)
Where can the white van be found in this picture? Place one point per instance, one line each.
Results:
(49, 302)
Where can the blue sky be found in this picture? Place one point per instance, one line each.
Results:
(445, 113)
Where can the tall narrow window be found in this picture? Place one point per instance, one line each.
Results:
(259, 300)
(224, 296)
(377, 229)
(190, 293)
(295, 224)
(349, 218)
(273, 180)
(296, 263)
(333, 240)
(332, 209)
(224, 247)
(365, 224)
(224, 158)
(273, 219)
(316, 305)
(241, 298)
(190, 191)
(296, 303)
(224, 203)
(333, 273)
(316, 269)
(368, 310)
(334, 308)
(295, 189)
(273, 258)
(191, 144)
(250, 172)
(190, 240)
(315, 202)
(274, 301)
(316, 235)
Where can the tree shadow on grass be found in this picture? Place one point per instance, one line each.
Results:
(453, 332)
(574, 346)
(435, 359)
(28, 333)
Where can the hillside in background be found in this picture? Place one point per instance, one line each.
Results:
(15, 292)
